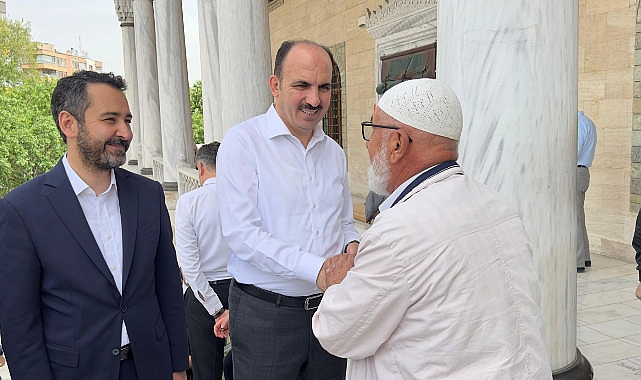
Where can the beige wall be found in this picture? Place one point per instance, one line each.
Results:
(606, 69)
(330, 23)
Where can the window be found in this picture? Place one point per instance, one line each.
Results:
(332, 122)
(415, 63)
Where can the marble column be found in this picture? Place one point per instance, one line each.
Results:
(125, 12)
(245, 60)
(513, 65)
(175, 109)
(210, 69)
(147, 71)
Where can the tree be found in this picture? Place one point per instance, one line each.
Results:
(30, 143)
(196, 100)
(16, 49)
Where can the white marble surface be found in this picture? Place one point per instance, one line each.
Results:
(147, 72)
(245, 60)
(175, 109)
(210, 69)
(125, 12)
(513, 65)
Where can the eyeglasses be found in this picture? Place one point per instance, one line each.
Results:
(367, 129)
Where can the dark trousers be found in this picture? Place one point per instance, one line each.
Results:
(128, 370)
(276, 342)
(206, 349)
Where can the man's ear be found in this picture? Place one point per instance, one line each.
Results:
(274, 84)
(68, 124)
(398, 146)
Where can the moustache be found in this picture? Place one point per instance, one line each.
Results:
(119, 141)
(310, 107)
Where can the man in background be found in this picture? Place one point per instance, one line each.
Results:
(586, 145)
(203, 256)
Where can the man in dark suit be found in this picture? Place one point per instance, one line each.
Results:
(89, 277)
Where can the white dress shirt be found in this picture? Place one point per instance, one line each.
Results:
(443, 287)
(102, 212)
(202, 251)
(586, 140)
(284, 208)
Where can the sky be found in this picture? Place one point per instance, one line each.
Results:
(93, 26)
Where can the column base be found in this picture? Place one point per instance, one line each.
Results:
(170, 186)
(580, 369)
(147, 171)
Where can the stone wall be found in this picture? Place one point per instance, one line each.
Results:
(606, 72)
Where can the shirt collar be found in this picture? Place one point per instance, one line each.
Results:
(276, 127)
(210, 181)
(77, 183)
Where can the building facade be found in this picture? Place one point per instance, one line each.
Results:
(54, 64)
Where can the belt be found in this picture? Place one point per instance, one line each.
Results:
(126, 352)
(581, 166)
(307, 303)
(226, 281)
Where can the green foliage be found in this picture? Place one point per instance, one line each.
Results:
(29, 140)
(16, 49)
(196, 100)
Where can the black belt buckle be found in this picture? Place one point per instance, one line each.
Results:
(312, 298)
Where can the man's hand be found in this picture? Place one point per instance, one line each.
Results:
(352, 247)
(335, 269)
(180, 375)
(221, 328)
(2, 360)
(638, 292)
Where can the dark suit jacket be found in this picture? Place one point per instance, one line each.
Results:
(60, 310)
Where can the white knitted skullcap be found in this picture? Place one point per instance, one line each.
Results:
(425, 104)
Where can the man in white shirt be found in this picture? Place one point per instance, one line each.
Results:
(585, 156)
(443, 285)
(285, 208)
(203, 255)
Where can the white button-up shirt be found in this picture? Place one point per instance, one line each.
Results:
(202, 251)
(284, 208)
(102, 212)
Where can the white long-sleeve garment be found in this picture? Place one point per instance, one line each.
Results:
(201, 249)
(284, 208)
(443, 288)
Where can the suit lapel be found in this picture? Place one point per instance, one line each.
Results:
(127, 195)
(66, 204)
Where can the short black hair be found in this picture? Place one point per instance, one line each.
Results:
(207, 154)
(285, 48)
(70, 94)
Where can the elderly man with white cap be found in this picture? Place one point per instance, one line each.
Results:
(442, 285)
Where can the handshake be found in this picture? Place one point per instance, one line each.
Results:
(335, 268)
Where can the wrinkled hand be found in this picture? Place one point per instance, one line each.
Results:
(352, 248)
(221, 328)
(2, 361)
(180, 375)
(638, 291)
(335, 269)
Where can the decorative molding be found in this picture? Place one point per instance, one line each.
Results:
(396, 15)
(125, 12)
(273, 4)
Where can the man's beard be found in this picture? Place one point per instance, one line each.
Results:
(378, 173)
(94, 153)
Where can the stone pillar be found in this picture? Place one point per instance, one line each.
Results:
(514, 67)
(125, 12)
(147, 70)
(175, 110)
(245, 60)
(210, 69)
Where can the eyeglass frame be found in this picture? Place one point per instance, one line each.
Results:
(370, 124)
